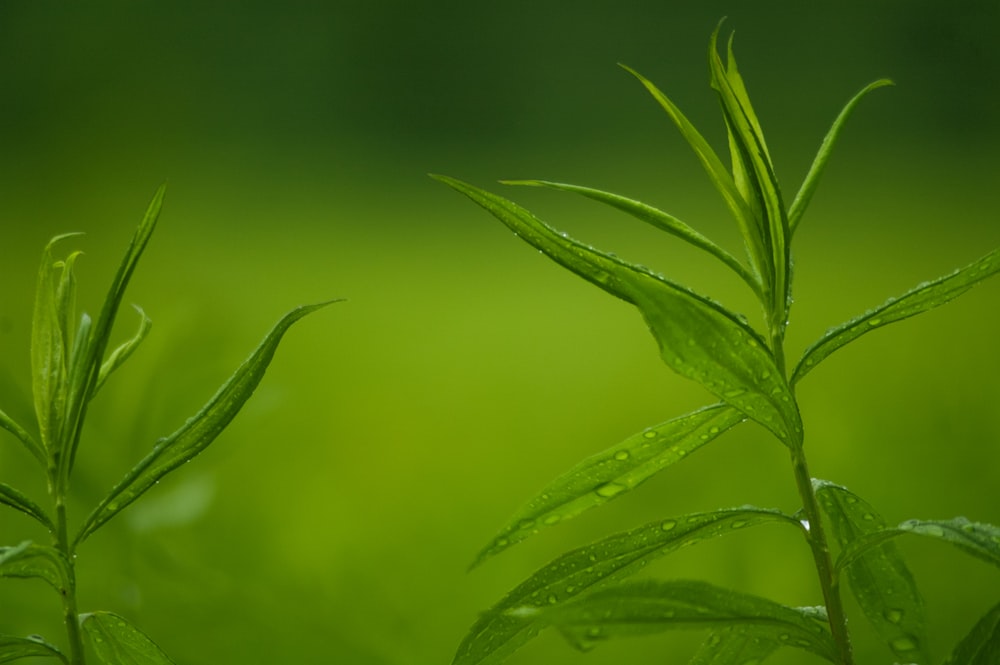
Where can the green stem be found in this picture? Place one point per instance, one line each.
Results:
(71, 615)
(829, 582)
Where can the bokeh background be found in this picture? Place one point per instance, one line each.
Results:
(396, 432)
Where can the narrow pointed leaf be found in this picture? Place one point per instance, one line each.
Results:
(752, 163)
(641, 608)
(920, 299)
(614, 472)
(29, 560)
(199, 431)
(982, 645)
(122, 353)
(16, 648)
(509, 624)
(36, 450)
(18, 501)
(980, 540)
(117, 642)
(656, 218)
(811, 180)
(880, 579)
(698, 338)
(87, 364)
(716, 171)
(736, 645)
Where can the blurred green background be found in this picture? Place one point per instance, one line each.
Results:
(396, 432)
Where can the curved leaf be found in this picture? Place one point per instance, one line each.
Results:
(975, 538)
(199, 431)
(28, 560)
(117, 642)
(649, 606)
(656, 218)
(880, 579)
(19, 501)
(823, 155)
(36, 450)
(736, 645)
(124, 350)
(614, 472)
(982, 645)
(507, 626)
(16, 648)
(717, 173)
(698, 338)
(920, 299)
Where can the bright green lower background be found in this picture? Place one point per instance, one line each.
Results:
(396, 432)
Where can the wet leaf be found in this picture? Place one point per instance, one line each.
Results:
(879, 577)
(28, 441)
(16, 648)
(19, 501)
(117, 642)
(28, 560)
(920, 299)
(199, 431)
(509, 624)
(641, 608)
(737, 645)
(614, 472)
(124, 350)
(698, 338)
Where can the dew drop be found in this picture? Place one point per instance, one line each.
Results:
(933, 530)
(621, 455)
(525, 524)
(734, 393)
(903, 644)
(552, 599)
(551, 519)
(874, 322)
(650, 434)
(739, 524)
(868, 517)
(893, 615)
(667, 525)
(113, 505)
(608, 490)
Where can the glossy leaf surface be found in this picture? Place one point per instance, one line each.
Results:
(29, 560)
(650, 606)
(199, 431)
(19, 501)
(614, 472)
(16, 648)
(507, 626)
(920, 299)
(117, 642)
(880, 579)
(737, 645)
(698, 338)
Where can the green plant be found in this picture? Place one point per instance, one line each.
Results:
(70, 363)
(581, 593)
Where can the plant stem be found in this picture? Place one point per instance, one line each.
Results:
(71, 615)
(828, 580)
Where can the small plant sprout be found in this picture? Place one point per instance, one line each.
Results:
(70, 362)
(584, 593)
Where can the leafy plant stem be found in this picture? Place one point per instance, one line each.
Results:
(71, 615)
(828, 579)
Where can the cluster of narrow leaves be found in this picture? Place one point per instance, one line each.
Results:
(582, 593)
(70, 362)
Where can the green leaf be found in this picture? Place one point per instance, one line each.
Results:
(33, 447)
(656, 218)
(754, 175)
(920, 299)
(717, 173)
(650, 606)
(507, 626)
(124, 350)
(880, 579)
(50, 339)
(614, 472)
(28, 560)
(199, 431)
(823, 155)
(16, 648)
(18, 501)
(117, 642)
(975, 538)
(737, 645)
(982, 645)
(89, 351)
(698, 338)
